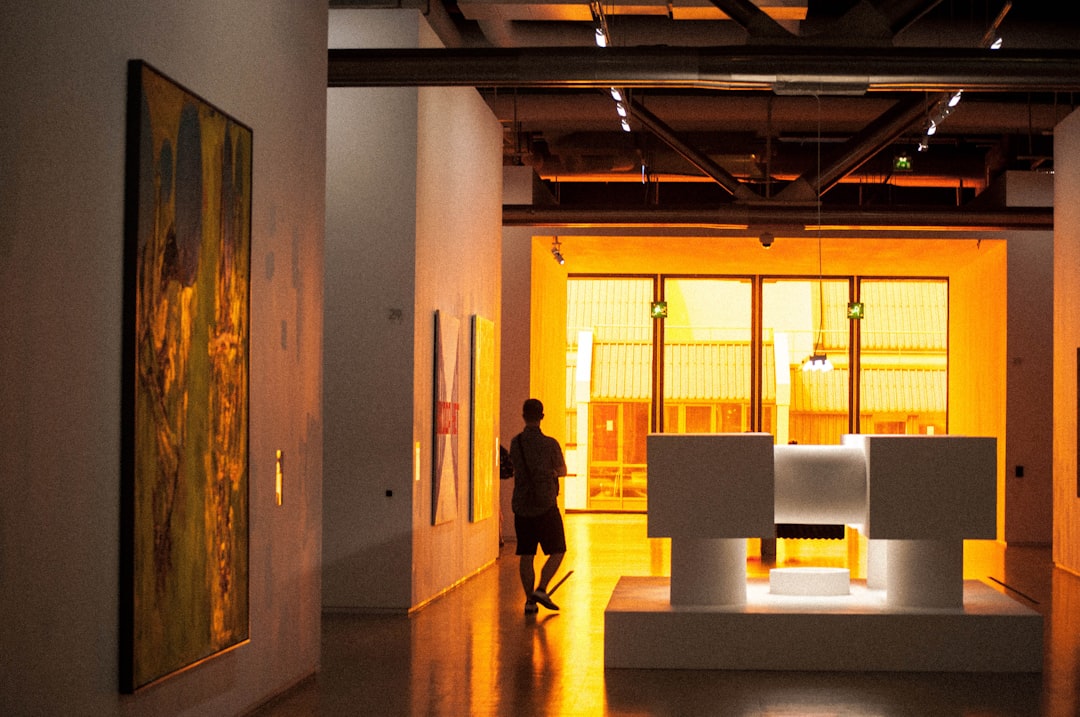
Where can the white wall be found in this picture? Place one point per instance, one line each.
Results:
(1066, 341)
(62, 145)
(1030, 389)
(414, 213)
(370, 283)
(516, 349)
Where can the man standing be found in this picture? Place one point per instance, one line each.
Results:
(538, 464)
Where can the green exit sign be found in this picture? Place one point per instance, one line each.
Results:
(856, 310)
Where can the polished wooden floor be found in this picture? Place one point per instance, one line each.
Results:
(474, 652)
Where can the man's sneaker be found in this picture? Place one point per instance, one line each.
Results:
(531, 608)
(542, 597)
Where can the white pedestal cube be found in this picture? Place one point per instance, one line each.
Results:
(929, 487)
(710, 485)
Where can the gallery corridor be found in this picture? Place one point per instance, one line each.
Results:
(474, 652)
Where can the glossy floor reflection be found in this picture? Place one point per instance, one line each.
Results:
(473, 652)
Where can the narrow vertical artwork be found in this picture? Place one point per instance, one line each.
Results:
(447, 408)
(484, 444)
(184, 473)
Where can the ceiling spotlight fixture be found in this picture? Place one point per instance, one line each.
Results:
(602, 36)
(603, 39)
(992, 37)
(948, 103)
(556, 251)
(766, 239)
(942, 110)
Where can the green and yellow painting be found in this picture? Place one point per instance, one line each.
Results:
(186, 502)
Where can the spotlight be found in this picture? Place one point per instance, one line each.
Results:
(601, 37)
(817, 362)
(625, 125)
(955, 99)
(766, 239)
(556, 252)
(616, 95)
(620, 108)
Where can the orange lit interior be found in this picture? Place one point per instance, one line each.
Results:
(961, 356)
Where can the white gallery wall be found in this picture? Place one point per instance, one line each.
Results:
(414, 211)
(1028, 450)
(62, 148)
(1066, 342)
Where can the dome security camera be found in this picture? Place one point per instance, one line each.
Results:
(766, 239)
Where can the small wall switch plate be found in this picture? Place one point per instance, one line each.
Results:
(1019, 472)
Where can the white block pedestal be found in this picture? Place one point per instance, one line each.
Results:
(813, 582)
(854, 632)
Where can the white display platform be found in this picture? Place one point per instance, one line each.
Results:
(855, 632)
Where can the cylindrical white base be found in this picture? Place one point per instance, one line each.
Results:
(925, 574)
(876, 564)
(708, 571)
(815, 582)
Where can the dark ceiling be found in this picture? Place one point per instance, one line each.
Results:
(749, 111)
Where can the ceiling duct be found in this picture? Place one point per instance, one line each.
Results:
(744, 68)
(742, 216)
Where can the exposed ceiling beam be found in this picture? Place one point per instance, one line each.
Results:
(867, 21)
(861, 147)
(742, 216)
(752, 18)
(807, 69)
(697, 158)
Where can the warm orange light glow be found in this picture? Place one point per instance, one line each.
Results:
(704, 359)
(887, 228)
(279, 476)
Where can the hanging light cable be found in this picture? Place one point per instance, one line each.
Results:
(818, 359)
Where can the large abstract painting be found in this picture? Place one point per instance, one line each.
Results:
(447, 406)
(484, 445)
(184, 561)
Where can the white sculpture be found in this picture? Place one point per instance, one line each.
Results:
(917, 498)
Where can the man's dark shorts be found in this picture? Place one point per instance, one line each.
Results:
(546, 529)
